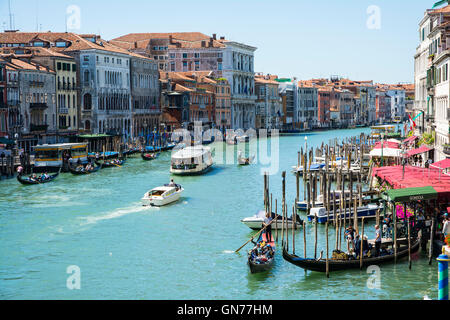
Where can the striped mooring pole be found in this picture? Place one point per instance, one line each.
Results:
(443, 276)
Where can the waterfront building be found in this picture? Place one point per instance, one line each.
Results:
(175, 103)
(398, 98)
(383, 103)
(223, 104)
(145, 95)
(431, 78)
(324, 100)
(307, 105)
(103, 75)
(3, 100)
(273, 111)
(194, 51)
(346, 108)
(36, 103)
(288, 91)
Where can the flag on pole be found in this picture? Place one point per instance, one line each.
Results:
(411, 122)
(439, 3)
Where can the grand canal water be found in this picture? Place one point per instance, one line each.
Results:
(182, 251)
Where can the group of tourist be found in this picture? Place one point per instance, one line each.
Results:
(354, 242)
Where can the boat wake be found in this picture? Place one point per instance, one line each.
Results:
(117, 213)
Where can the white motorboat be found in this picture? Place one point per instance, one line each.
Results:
(163, 195)
(191, 161)
(255, 222)
(368, 211)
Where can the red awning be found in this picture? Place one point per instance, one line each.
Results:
(386, 144)
(415, 177)
(443, 164)
(410, 139)
(422, 149)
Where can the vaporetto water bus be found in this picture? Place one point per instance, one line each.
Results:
(52, 157)
(191, 161)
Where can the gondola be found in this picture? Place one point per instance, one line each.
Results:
(78, 172)
(168, 147)
(258, 265)
(149, 156)
(110, 164)
(319, 265)
(27, 181)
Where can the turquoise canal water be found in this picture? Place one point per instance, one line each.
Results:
(181, 251)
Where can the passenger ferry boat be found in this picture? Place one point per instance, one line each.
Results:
(191, 161)
(51, 157)
(378, 130)
(163, 195)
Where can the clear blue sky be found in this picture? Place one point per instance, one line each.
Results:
(294, 37)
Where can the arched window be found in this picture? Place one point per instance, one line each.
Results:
(87, 101)
(87, 125)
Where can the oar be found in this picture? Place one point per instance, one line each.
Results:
(116, 165)
(257, 233)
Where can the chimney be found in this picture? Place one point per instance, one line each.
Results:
(214, 36)
(222, 38)
(210, 42)
(135, 44)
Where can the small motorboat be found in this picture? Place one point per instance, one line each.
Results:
(163, 195)
(35, 179)
(149, 156)
(84, 170)
(315, 167)
(262, 257)
(255, 222)
(368, 211)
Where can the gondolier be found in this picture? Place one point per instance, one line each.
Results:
(266, 222)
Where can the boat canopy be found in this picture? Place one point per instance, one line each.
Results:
(415, 177)
(60, 146)
(443, 164)
(190, 152)
(410, 139)
(411, 194)
(387, 144)
(422, 149)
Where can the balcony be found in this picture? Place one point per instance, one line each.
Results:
(38, 127)
(38, 105)
(38, 84)
(63, 111)
(446, 149)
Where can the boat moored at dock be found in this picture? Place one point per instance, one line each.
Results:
(368, 211)
(52, 157)
(255, 222)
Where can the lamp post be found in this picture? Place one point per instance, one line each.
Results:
(403, 162)
(306, 144)
(382, 145)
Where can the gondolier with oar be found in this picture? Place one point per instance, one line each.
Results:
(268, 226)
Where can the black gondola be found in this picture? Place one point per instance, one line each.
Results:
(319, 265)
(110, 163)
(149, 156)
(261, 265)
(83, 171)
(28, 181)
